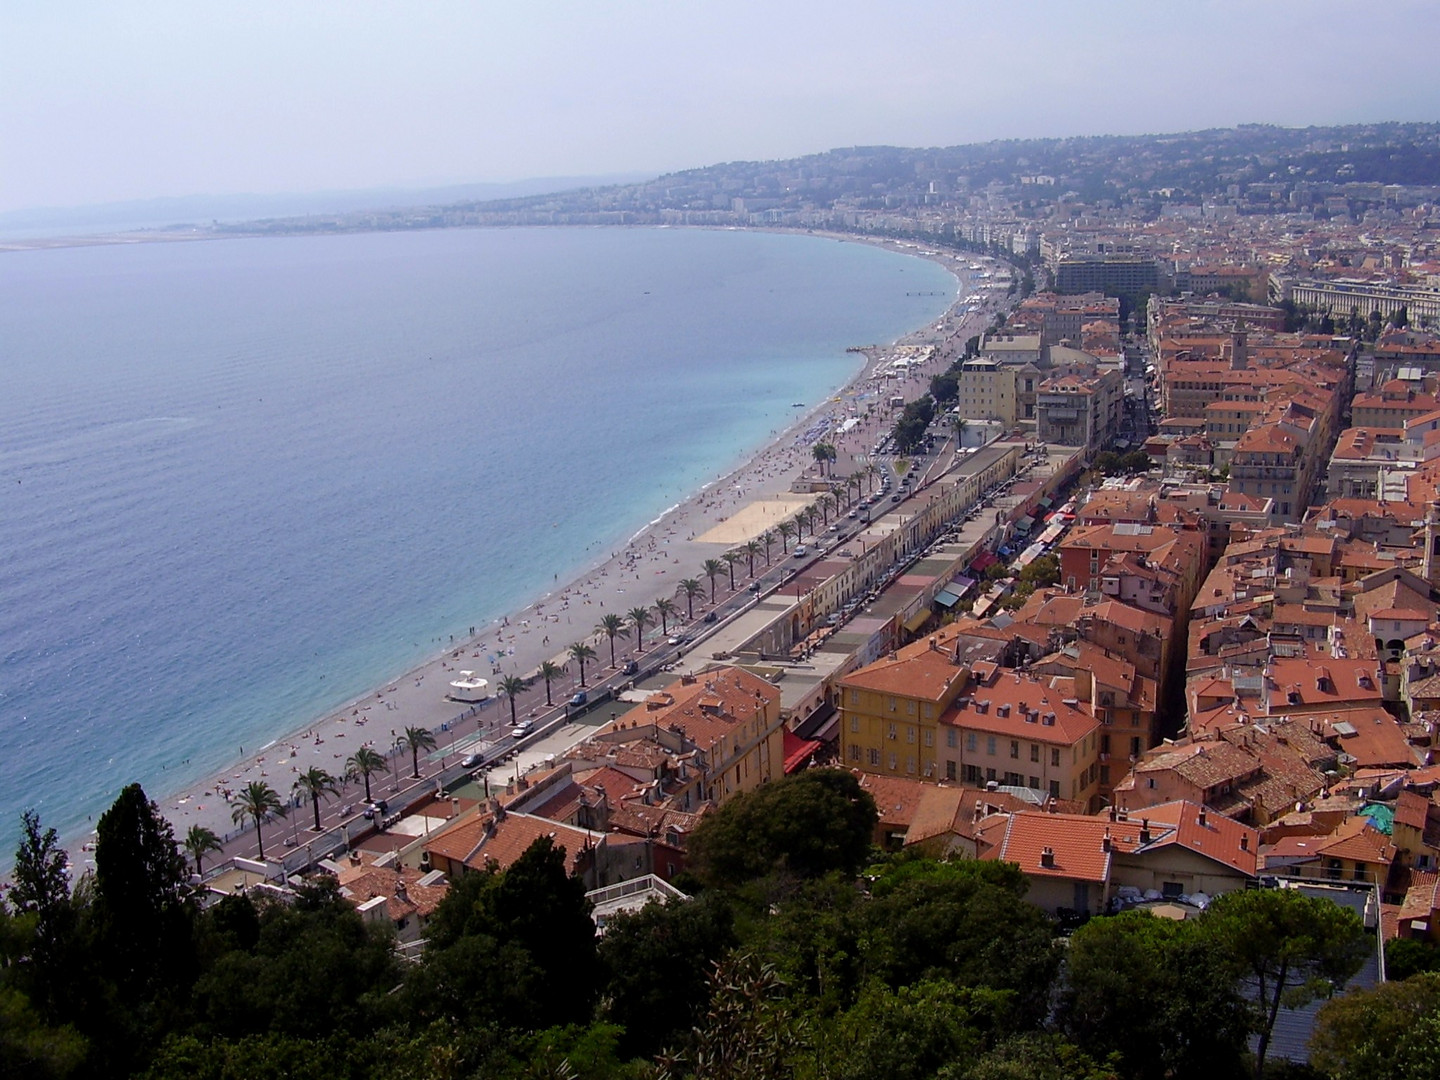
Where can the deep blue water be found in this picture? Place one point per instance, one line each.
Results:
(230, 468)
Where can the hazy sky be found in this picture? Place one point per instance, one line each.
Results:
(114, 100)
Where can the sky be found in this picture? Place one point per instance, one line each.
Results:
(117, 100)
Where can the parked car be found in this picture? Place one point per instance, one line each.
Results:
(580, 698)
(520, 730)
(800, 552)
(470, 761)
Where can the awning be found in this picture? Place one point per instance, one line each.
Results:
(1047, 502)
(916, 621)
(946, 599)
(1025, 524)
(981, 561)
(798, 751)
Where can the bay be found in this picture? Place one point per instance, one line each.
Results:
(243, 481)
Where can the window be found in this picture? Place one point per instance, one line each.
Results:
(854, 752)
(929, 737)
(874, 757)
(972, 774)
(854, 697)
(1035, 783)
(970, 740)
(1150, 782)
(893, 705)
(949, 770)
(1014, 748)
(990, 745)
(1054, 759)
(855, 723)
(894, 762)
(952, 738)
(910, 734)
(910, 765)
(1054, 789)
(1035, 753)
(1135, 746)
(890, 731)
(989, 774)
(929, 712)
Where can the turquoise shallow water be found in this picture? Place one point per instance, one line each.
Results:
(243, 481)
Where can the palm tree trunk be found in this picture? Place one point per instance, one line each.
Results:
(367, 786)
(315, 804)
(259, 840)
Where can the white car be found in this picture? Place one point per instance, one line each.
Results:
(520, 730)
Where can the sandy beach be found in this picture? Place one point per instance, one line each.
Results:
(724, 514)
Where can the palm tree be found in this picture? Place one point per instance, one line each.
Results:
(666, 609)
(613, 626)
(640, 618)
(259, 801)
(822, 454)
(199, 842)
(731, 558)
(960, 425)
(512, 686)
(580, 652)
(786, 529)
(691, 587)
(711, 568)
(806, 520)
(316, 783)
(751, 550)
(823, 503)
(549, 671)
(871, 471)
(364, 762)
(767, 538)
(418, 738)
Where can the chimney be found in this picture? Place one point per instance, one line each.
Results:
(1114, 813)
(1202, 817)
(1047, 858)
(1144, 830)
(1244, 842)
(1105, 841)
(979, 810)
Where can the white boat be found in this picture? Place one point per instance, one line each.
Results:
(469, 688)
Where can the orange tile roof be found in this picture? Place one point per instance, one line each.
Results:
(1220, 838)
(917, 671)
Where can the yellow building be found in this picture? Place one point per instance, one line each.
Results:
(986, 391)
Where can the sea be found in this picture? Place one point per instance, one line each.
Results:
(243, 481)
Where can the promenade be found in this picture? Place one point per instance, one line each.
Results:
(719, 518)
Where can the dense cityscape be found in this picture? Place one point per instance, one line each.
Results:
(1069, 709)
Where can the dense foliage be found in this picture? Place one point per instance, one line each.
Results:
(804, 954)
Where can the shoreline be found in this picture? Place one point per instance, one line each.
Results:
(516, 642)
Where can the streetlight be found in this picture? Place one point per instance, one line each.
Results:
(394, 772)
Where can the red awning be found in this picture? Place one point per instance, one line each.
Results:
(985, 559)
(798, 751)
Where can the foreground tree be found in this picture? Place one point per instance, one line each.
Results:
(1388, 1030)
(1286, 948)
(711, 568)
(804, 825)
(418, 738)
(315, 784)
(1194, 1024)
(256, 800)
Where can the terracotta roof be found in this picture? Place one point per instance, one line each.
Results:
(1219, 838)
(472, 841)
(1023, 706)
(1358, 841)
(917, 671)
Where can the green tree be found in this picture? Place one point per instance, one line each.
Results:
(1194, 1024)
(711, 569)
(785, 529)
(640, 618)
(259, 801)
(612, 626)
(907, 1033)
(418, 738)
(512, 686)
(517, 946)
(804, 825)
(315, 784)
(199, 842)
(550, 671)
(48, 922)
(692, 588)
(751, 549)
(657, 962)
(731, 558)
(363, 763)
(945, 387)
(767, 538)
(749, 1031)
(1030, 1056)
(1286, 948)
(666, 609)
(1041, 572)
(580, 652)
(1369, 1033)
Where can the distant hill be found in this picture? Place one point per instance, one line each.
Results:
(205, 210)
